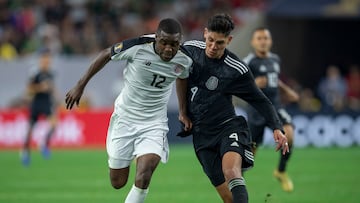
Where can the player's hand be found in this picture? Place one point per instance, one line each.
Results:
(281, 141)
(187, 124)
(73, 96)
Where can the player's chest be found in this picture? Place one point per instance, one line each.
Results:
(152, 73)
(43, 77)
(267, 66)
(212, 78)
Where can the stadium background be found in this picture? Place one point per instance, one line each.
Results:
(309, 35)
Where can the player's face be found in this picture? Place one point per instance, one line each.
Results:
(45, 61)
(215, 43)
(261, 41)
(167, 45)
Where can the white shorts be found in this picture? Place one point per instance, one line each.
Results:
(125, 141)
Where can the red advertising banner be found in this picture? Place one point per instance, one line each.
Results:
(74, 129)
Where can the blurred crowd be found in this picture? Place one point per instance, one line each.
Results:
(87, 26)
(84, 27)
(337, 91)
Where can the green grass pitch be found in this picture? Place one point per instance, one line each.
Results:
(330, 175)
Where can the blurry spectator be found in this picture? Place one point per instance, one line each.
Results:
(308, 102)
(353, 87)
(37, 24)
(332, 90)
(49, 38)
(7, 49)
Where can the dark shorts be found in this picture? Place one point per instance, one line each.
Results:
(257, 124)
(40, 108)
(234, 137)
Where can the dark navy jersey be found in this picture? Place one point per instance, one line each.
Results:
(211, 84)
(270, 68)
(40, 77)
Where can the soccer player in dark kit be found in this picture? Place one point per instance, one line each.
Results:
(221, 139)
(43, 93)
(265, 67)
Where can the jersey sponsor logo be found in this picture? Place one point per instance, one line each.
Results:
(178, 68)
(147, 63)
(118, 47)
(212, 83)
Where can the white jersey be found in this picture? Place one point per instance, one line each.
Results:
(148, 80)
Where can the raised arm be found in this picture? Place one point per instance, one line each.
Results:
(74, 95)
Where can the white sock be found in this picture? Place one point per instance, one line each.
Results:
(136, 195)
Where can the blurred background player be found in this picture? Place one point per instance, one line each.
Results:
(138, 127)
(265, 67)
(41, 90)
(221, 139)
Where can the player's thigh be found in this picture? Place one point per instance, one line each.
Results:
(52, 119)
(231, 165)
(289, 133)
(257, 132)
(152, 140)
(120, 143)
(288, 126)
(210, 161)
(284, 116)
(236, 145)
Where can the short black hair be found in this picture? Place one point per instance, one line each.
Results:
(259, 29)
(221, 23)
(170, 26)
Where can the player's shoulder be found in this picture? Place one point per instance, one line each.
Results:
(234, 63)
(194, 44)
(131, 42)
(249, 58)
(183, 57)
(274, 56)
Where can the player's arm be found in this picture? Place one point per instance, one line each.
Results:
(288, 92)
(181, 90)
(74, 95)
(247, 89)
(35, 86)
(261, 81)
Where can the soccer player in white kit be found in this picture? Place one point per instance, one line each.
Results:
(138, 126)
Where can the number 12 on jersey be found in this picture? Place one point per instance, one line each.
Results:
(158, 80)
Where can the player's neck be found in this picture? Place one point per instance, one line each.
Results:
(262, 54)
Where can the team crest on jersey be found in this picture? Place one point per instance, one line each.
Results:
(178, 68)
(262, 68)
(118, 47)
(212, 83)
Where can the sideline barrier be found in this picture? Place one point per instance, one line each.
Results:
(88, 129)
(74, 129)
(320, 131)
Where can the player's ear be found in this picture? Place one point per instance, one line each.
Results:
(230, 37)
(205, 32)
